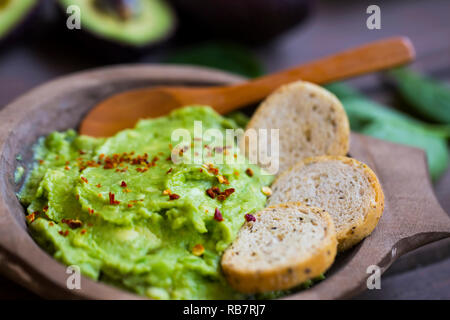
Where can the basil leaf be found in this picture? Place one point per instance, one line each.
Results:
(428, 97)
(376, 120)
(412, 135)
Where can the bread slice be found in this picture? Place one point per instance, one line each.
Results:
(311, 122)
(348, 189)
(286, 245)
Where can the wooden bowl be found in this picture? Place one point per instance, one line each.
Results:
(412, 216)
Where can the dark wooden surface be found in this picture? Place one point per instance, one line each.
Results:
(421, 274)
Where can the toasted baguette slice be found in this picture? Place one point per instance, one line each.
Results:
(287, 244)
(348, 189)
(311, 122)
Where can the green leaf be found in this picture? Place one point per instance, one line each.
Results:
(220, 55)
(376, 120)
(428, 97)
(412, 135)
(362, 111)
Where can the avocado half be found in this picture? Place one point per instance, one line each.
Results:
(13, 13)
(127, 23)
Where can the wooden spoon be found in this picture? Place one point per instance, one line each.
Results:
(123, 110)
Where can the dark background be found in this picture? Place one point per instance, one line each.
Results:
(44, 52)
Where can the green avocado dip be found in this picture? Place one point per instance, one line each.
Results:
(125, 213)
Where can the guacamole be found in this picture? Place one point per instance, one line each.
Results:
(123, 211)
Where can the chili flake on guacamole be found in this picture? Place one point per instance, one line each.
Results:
(126, 214)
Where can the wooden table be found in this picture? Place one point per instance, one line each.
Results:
(46, 53)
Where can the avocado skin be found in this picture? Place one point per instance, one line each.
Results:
(111, 49)
(249, 21)
(23, 24)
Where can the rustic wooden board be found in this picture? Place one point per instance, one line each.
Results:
(412, 216)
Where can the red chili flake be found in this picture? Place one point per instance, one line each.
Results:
(225, 194)
(45, 209)
(51, 224)
(99, 185)
(213, 170)
(169, 158)
(112, 199)
(32, 216)
(84, 179)
(123, 184)
(229, 191)
(249, 172)
(83, 231)
(198, 250)
(90, 224)
(221, 197)
(218, 215)
(108, 166)
(222, 179)
(173, 196)
(41, 161)
(64, 233)
(169, 171)
(82, 152)
(101, 156)
(90, 211)
(72, 223)
(201, 170)
(250, 217)
(130, 205)
(67, 162)
(211, 193)
(77, 196)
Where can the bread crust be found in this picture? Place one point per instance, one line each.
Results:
(339, 141)
(289, 275)
(354, 232)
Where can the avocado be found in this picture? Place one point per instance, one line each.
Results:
(247, 21)
(133, 24)
(13, 13)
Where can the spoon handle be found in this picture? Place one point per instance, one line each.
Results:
(371, 57)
